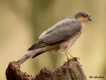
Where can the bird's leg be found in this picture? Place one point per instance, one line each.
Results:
(66, 55)
(71, 55)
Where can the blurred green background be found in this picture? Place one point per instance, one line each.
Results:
(22, 21)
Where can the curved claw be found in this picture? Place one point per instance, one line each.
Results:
(76, 58)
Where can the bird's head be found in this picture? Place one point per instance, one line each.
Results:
(83, 16)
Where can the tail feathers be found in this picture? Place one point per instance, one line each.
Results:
(28, 55)
(38, 54)
(37, 45)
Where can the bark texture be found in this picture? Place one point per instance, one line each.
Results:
(70, 70)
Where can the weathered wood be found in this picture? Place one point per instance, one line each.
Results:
(70, 70)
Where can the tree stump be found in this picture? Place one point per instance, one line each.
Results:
(70, 70)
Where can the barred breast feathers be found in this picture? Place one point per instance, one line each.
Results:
(69, 42)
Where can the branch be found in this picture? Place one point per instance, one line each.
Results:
(70, 70)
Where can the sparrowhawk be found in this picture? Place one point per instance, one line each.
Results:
(59, 37)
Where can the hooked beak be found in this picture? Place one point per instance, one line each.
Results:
(89, 18)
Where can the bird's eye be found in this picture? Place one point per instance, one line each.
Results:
(84, 15)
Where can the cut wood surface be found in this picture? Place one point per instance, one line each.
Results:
(70, 70)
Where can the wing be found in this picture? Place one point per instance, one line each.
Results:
(61, 31)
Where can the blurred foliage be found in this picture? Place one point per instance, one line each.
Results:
(38, 7)
(22, 21)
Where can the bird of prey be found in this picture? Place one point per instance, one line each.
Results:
(59, 37)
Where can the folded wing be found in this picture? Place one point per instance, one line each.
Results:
(61, 31)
